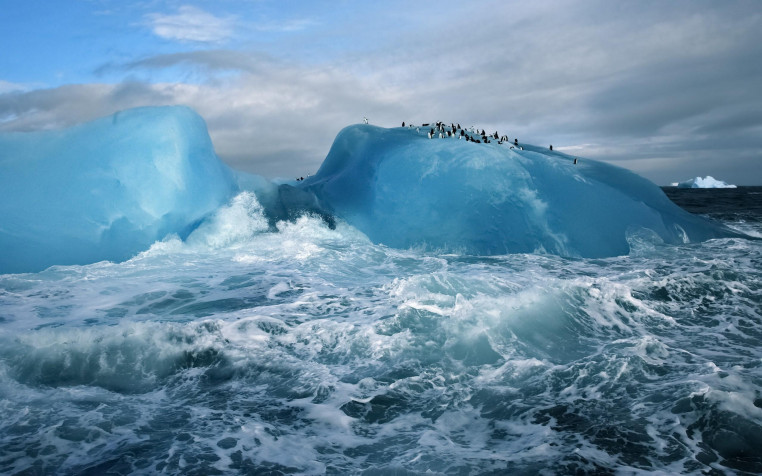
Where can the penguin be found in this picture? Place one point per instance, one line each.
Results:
(365, 119)
(430, 134)
(575, 161)
(551, 146)
(403, 123)
(515, 142)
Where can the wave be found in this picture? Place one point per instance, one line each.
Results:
(310, 349)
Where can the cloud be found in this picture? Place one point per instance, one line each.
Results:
(7, 87)
(279, 121)
(191, 24)
(293, 25)
(664, 89)
(210, 60)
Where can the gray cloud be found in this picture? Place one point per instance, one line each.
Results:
(669, 90)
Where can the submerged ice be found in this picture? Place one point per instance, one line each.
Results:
(108, 189)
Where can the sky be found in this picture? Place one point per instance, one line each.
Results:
(671, 89)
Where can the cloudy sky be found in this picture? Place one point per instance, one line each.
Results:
(671, 89)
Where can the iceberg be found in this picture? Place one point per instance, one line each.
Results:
(107, 189)
(705, 182)
(403, 189)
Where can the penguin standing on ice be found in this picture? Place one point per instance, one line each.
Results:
(575, 161)
(403, 123)
(365, 119)
(551, 146)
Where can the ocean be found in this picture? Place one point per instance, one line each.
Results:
(313, 350)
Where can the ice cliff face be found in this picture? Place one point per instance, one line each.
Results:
(108, 189)
(403, 189)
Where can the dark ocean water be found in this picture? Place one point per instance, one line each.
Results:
(314, 351)
(728, 204)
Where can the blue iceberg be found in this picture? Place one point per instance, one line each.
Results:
(403, 189)
(704, 182)
(108, 189)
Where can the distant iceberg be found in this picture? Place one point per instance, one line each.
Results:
(108, 189)
(705, 182)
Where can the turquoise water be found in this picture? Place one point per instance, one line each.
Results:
(312, 350)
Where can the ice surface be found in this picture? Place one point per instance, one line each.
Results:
(403, 189)
(107, 189)
(704, 182)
